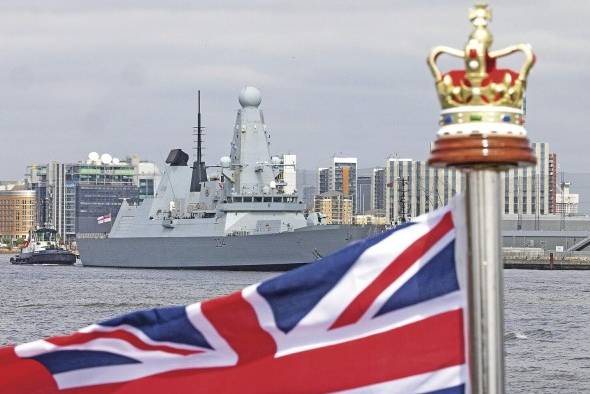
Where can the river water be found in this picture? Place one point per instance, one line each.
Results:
(547, 319)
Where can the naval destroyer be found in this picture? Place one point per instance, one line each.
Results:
(231, 217)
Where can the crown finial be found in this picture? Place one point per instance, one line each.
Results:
(482, 99)
(480, 14)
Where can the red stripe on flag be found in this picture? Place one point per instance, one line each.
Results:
(357, 308)
(23, 376)
(247, 338)
(425, 346)
(81, 338)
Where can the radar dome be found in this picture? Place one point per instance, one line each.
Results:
(105, 158)
(94, 156)
(116, 160)
(250, 97)
(225, 161)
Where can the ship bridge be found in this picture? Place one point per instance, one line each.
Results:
(289, 203)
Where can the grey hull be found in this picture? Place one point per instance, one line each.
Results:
(255, 252)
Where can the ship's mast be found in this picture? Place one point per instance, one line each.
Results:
(199, 128)
(250, 148)
(199, 170)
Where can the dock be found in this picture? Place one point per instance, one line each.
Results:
(549, 262)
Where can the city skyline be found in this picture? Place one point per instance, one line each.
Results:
(78, 78)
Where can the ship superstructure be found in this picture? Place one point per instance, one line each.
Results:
(226, 215)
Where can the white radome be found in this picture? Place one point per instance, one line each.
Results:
(93, 156)
(250, 97)
(105, 158)
(116, 160)
(275, 160)
(225, 161)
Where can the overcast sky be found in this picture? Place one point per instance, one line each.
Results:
(337, 77)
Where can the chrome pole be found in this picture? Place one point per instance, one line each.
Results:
(485, 284)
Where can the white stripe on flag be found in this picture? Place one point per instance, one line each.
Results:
(423, 383)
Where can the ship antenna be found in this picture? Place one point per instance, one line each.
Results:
(199, 128)
(199, 169)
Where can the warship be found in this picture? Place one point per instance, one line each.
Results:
(232, 215)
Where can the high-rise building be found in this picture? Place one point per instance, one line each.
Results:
(363, 194)
(17, 211)
(61, 199)
(343, 177)
(36, 179)
(552, 183)
(414, 188)
(323, 180)
(287, 178)
(73, 195)
(309, 193)
(526, 190)
(336, 207)
(79, 193)
(146, 176)
(378, 191)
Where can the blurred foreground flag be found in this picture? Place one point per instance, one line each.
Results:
(385, 314)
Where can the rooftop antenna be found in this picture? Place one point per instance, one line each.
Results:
(562, 211)
(199, 170)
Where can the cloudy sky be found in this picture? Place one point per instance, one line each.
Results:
(337, 76)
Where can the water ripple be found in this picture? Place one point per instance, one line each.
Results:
(546, 333)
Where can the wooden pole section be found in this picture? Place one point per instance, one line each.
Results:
(482, 133)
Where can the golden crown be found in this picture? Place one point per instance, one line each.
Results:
(482, 113)
(481, 83)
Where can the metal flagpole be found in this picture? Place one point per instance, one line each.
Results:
(485, 281)
(482, 133)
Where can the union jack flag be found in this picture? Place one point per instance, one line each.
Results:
(386, 314)
(104, 219)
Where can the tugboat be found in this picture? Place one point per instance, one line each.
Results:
(43, 248)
